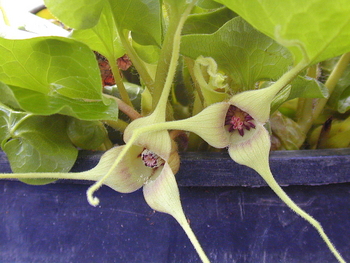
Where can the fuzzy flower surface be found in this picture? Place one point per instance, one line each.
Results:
(238, 124)
(150, 161)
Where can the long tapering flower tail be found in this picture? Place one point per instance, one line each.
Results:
(254, 153)
(162, 194)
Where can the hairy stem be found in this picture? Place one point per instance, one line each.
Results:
(118, 125)
(304, 113)
(169, 56)
(127, 109)
(331, 82)
(136, 61)
(270, 180)
(118, 80)
(288, 76)
(70, 176)
(192, 237)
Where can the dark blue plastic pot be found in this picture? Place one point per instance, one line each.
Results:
(234, 215)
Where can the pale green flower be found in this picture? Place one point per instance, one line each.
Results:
(148, 160)
(238, 124)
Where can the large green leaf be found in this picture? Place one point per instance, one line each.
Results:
(79, 14)
(207, 23)
(42, 104)
(141, 17)
(313, 29)
(103, 37)
(208, 4)
(242, 52)
(51, 65)
(36, 143)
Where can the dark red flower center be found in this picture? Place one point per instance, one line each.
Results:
(150, 159)
(239, 120)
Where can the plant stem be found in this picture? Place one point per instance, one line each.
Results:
(130, 111)
(313, 112)
(190, 65)
(166, 68)
(136, 61)
(71, 176)
(333, 79)
(304, 114)
(119, 125)
(118, 80)
(106, 145)
(192, 237)
(270, 180)
(288, 76)
(164, 62)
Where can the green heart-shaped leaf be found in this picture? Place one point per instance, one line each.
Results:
(242, 52)
(42, 104)
(87, 135)
(36, 143)
(79, 14)
(207, 23)
(141, 17)
(103, 37)
(313, 29)
(51, 65)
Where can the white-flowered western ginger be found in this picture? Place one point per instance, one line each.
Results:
(238, 124)
(148, 161)
(159, 154)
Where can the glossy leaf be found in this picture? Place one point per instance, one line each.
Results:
(243, 53)
(79, 14)
(42, 104)
(141, 17)
(103, 37)
(87, 135)
(8, 97)
(149, 53)
(300, 87)
(51, 65)
(313, 29)
(208, 4)
(36, 143)
(207, 23)
(134, 92)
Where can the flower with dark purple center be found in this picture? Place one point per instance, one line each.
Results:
(150, 159)
(239, 120)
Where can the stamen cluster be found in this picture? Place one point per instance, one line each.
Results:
(239, 120)
(150, 159)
